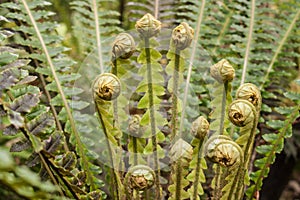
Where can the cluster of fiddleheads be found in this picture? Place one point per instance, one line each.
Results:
(153, 125)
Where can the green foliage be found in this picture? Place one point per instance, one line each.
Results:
(19, 182)
(46, 108)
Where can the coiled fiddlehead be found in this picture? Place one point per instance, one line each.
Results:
(251, 93)
(136, 143)
(106, 88)
(222, 71)
(181, 152)
(182, 36)
(222, 150)
(123, 46)
(149, 27)
(138, 178)
(200, 128)
(240, 113)
(245, 114)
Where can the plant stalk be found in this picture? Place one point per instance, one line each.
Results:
(196, 181)
(115, 101)
(174, 122)
(115, 112)
(61, 92)
(175, 96)
(239, 178)
(219, 181)
(134, 143)
(115, 182)
(152, 117)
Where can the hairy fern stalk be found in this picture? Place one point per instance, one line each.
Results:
(89, 111)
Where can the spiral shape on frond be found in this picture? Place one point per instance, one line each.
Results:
(134, 125)
(241, 112)
(140, 177)
(148, 26)
(251, 93)
(200, 127)
(222, 71)
(123, 46)
(181, 150)
(182, 36)
(223, 151)
(107, 87)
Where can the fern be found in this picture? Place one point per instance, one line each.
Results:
(197, 176)
(93, 28)
(24, 183)
(47, 111)
(42, 42)
(275, 145)
(161, 10)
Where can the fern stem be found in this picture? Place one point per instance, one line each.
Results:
(115, 101)
(219, 172)
(175, 95)
(98, 35)
(196, 181)
(156, 9)
(114, 185)
(222, 120)
(152, 117)
(237, 181)
(217, 187)
(178, 180)
(191, 62)
(61, 92)
(174, 122)
(50, 174)
(57, 122)
(270, 156)
(249, 41)
(278, 50)
(247, 154)
(134, 144)
(48, 96)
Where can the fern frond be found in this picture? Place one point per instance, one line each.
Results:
(20, 182)
(275, 145)
(161, 10)
(282, 42)
(35, 38)
(94, 24)
(61, 92)
(181, 153)
(197, 176)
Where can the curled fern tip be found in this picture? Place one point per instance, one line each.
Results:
(148, 26)
(182, 36)
(106, 87)
(123, 46)
(222, 71)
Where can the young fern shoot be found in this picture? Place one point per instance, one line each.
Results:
(200, 128)
(182, 37)
(106, 88)
(122, 49)
(223, 73)
(149, 27)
